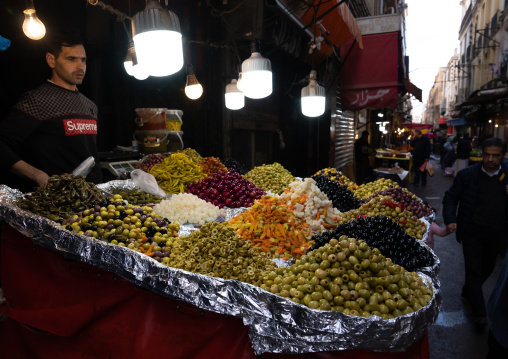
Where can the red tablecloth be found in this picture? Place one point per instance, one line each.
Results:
(59, 308)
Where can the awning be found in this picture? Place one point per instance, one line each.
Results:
(418, 126)
(456, 122)
(413, 90)
(369, 77)
(337, 26)
(488, 95)
(442, 120)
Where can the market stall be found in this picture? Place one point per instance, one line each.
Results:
(105, 292)
(394, 164)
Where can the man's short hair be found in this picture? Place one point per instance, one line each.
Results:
(494, 142)
(57, 40)
(365, 133)
(418, 131)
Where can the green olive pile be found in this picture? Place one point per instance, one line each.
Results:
(217, 251)
(139, 197)
(368, 189)
(384, 206)
(348, 276)
(62, 197)
(272, 177)
(124, 224)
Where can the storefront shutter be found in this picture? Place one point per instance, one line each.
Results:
(342, 132)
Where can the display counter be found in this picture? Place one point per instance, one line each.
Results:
(58, 307)
(388, 161)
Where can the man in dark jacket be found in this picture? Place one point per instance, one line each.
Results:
(480, 192)
(421, 153)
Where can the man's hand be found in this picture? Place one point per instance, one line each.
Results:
(507, 189)
(451, 227)
(23, 169)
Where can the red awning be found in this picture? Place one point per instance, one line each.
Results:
(335, 23)
(369, 77)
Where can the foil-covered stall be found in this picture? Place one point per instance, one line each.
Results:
(276, 324)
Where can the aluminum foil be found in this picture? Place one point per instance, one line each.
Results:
(276, 324)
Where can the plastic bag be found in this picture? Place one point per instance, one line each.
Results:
(430, 168)
(85, 167)
(147, 182)
(422, 167)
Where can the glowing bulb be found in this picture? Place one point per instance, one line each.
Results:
(33, 27)
(313, 98)
(194, 91)
(193, 88)
(235, 99)
(256, 74)
(158, 39)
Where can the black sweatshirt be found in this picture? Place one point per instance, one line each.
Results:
(52, 129)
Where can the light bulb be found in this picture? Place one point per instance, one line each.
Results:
(256, 74)
(313, 98)
(127, 64)
(194, 91)
(33, 27)
(193, 88)
(235, 99)
(158, 39)
(139, 72)
(239, 83)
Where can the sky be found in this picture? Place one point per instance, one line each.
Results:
(432, 35)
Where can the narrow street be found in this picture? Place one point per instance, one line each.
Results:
(453, 335)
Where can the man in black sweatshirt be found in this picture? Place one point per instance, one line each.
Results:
(480, 192)
(52, 129)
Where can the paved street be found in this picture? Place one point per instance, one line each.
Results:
(452, 336)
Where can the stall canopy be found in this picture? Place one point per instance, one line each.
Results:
(413, 90)
(335, 22)
(369, 77)
(418, 126)
(456, 122)
(442, 120)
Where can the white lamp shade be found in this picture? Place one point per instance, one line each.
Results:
(139, 72)
(127, 63)
(33, 27)
(160, 51)
(235, 99)
(239, 83)
(256, 76)
(157, 39)
(313, 106)
(194, 91)
(313, 97)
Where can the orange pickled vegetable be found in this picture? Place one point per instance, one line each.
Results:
(274, 229)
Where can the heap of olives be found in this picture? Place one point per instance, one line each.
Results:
(368, 189)
(346, 275)
(383, 233)
(217, 251)
(126, 225)
(273, 177)
(341, 197)
(234, 165)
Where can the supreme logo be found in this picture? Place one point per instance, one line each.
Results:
(79, 126)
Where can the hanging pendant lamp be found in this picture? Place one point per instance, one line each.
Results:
(313, 97)
(158, 39)
(193, 88)
(32, 27)
(235, 99)
(256, 74)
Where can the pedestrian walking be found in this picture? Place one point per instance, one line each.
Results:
(463, 150)
(421, 154)
(364, 171)
(476, 209)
